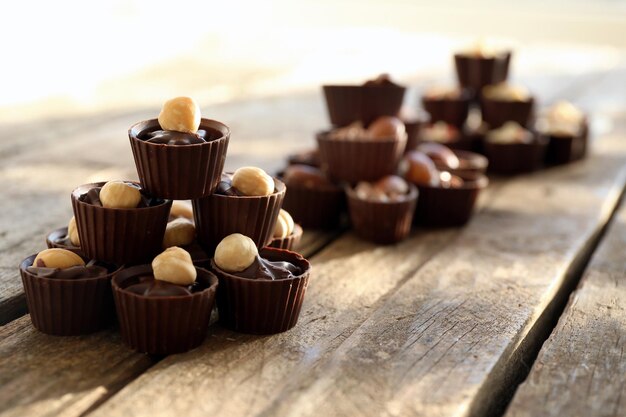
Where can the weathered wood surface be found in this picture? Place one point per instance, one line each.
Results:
(581, 369)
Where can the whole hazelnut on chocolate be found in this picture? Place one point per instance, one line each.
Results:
(57, 258)
(284, 225)
(419, 169)
(386, 127)
(440, 154)
(181, 114)
(392, 184)
(253, 181)
(389, 188)
(118, 194)
(174, 265)
(235, 253)
(179, 232)
(72, 232)
(305, 176)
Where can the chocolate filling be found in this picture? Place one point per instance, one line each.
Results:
(269, 270)
(150, 287)
(171, 137)
(93, 269)
(93, 197)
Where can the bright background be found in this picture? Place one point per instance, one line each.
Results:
(69, 57)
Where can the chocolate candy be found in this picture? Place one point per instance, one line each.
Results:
(93, 269)
(93, 197)
(269, 270)
(440, 154)
(150, 287)
(171, 137)
(386, 127)
(305, 176)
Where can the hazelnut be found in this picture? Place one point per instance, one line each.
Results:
(118, 194)
(386, 127)
(253, 181)
(366, 191)
(181, 114)
(72, 232)
(57, 258)
(179, 232)
(181, 209)
(392, 185)
(305, 176)
(284, 225)
(174, 265)
(440, 154)
(419, 169)
(235, 253)
(448, 180)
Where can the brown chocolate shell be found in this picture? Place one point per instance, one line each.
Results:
(349, 103)
(412, 134)
(563, 149)
(315, 208)
(218, 216)
(290, 242)
(515, 158)
(382, 222)
(52, 241)
(451, 111)
(447, 207)
(359, 159)
(262, 306)
(476, 72)
(67, 307)
(163, 325)
(119, 236)
(179, 172)
(498, 112)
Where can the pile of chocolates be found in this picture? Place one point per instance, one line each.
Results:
(160, 265)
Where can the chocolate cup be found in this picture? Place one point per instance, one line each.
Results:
(563, 149)
(412, 134)
(350, 103)
(498, 112)
(315, 208)
(218, 216)
(262, 306)
(382, 222)
(290, 242)
(53, 238)
(67, 307)
(359, 159)
(470, 163)
(515, 158)
(119, 236)
(179, 172)
(451, 111)
(476, 72)
(447, 207)
(167, 324)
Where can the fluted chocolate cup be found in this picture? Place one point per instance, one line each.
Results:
(163, 325)
(68, 307)
(180, 172)
(563, 148)
(447, 207)
(350, 103)
(321, 207)
(260, 306)
(515, 158)
(453, 111)
(475, 72)
(412, 133)
(119, 236)
(289, 242)
(58, 238)
(470, 163)
(353, 160)
(218, 216)
(382, 222)
(498, 112)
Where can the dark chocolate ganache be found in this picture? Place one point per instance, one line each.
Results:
(171, 137)
(147, 286)
(93, 197)
(93, 269)
(270, 270)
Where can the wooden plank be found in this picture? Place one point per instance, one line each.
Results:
(381, 336)
(46, 375)
(581, 369)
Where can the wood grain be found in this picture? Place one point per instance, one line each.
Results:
(381, 336)
(581, 369)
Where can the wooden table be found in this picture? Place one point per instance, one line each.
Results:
(446, 323)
